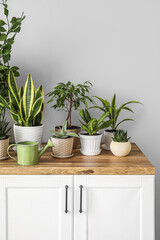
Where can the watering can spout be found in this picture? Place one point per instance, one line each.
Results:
(49, 144)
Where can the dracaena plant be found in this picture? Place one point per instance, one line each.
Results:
(26, 104)
(62, 133)
(120, 136)
(93, 125)
(114, 111)
(67, 96)
(4, 129)
(9, 27)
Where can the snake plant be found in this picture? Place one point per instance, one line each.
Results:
(26, 104)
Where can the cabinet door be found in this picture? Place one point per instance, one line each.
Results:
(33, 208)
(114, 208)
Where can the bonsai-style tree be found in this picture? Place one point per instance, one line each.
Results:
(8, 31)
(69, 96)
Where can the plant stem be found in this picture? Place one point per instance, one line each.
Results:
(68, 119)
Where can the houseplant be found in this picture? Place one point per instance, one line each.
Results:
(91, 138)
(4, 138)
(9, 27)
(63, 142)
(68, 96)
(26, 108)
(113, 114)
(120, 145)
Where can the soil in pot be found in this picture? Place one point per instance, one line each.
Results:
(62, 146)
(4, 143)
(75, 129)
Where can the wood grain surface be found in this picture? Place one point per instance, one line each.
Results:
(106, 163)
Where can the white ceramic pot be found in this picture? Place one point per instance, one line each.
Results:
(90, 145)
(4, 143)
(108, 135)
(62, 147)
(34, 134)
(120, 149)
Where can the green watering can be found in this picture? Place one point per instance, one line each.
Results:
(27, 152)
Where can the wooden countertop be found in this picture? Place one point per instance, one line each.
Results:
(106, 163)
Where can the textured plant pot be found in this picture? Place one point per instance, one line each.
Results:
(4, 143)
(108, 135)
(75, 129)
(33, 134)
(120, 149)
(90, 145)
(62, 147)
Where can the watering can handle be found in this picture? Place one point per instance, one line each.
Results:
(8, 151)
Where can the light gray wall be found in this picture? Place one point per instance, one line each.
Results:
(113, 43)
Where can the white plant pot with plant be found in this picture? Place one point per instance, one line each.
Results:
(63, 142)
(4, 138)
(26, 108)
(120, 145)
(113, 114)
(68, 97)
(91, 138)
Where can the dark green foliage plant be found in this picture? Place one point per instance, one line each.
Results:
(113, 111)
(67, 96)
(62, 133)
(4, 129)
(9, 27)
(93, 125)
(120, 136)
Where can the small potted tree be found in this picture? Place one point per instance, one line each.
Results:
(63, 142)
(4, 138)
(91, 138)
(26, 108)
(68, 96)
(114, 114)
(120, 145)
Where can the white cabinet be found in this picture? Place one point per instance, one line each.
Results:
(62, 207)
(114, 208)
(33, 208)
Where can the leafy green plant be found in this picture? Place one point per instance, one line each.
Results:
(62, 133)
(3, 128)
(8, 31)
(113, 111)
(68, 96)
(120, 136)
(25, 105)
(93, 125)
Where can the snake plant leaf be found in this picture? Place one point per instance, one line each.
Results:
(14, 117)
(124, 120)
(13, 87)
(22, 113)
(38, 119)
(38, 92)
(4, 102)
(28, 96)
(21, 92)
(37, 107)
(12, 100)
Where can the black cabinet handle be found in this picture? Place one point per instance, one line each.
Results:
(80, 209)
(66, 200)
